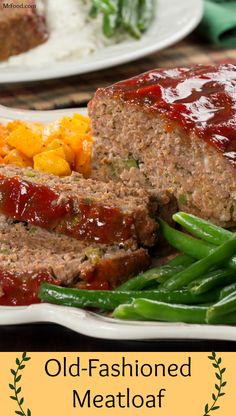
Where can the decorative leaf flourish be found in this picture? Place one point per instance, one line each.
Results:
(220, 383)
(16, 389)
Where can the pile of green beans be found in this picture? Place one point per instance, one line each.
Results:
(198, 286)
(131, 16)
(214, 268)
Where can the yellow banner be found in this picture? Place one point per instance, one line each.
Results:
(118, 384)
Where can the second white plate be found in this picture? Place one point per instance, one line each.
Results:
(174, 20)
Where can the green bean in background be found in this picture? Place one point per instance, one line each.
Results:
(202, 229)
(109, 300)
(104, 6)
(223, 307)
(93, 12)
(109, 25)
(111, 20)
(219, 256)
(189, 245)
(130, 16)
(156, 274)
(212, 280)
(146, 14)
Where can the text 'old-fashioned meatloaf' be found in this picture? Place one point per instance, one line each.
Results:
(179, 125)
(107, 213)
(30, 255)
(21, 27)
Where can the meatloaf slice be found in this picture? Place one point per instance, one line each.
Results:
(21, 28)
(107, 213)
(29, 254)
(179, 125)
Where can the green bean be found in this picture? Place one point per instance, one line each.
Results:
(156, 274)
(227, 290)
(220, 255)
(181, 260)
(105, 6)
(127, 312)
(129, 17)
(213, 279)
(229, 319)
(93, 12)
(160, 311)
(168, 312)
(146, 14)
(109, 300)
(184, 242)
(225, 306)
(109, 25)
(191, 246)
(202, 228)
(133, 16)
(110, 21)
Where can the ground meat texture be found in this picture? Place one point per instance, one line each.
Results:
(107, 213)
(28, 252)
(170, 133)
(21, 29)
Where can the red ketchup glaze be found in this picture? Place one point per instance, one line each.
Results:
(38, 204)
(99, 223)
(18, 291)
(202, 100)
(25, 201)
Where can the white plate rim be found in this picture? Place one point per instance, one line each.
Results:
(97, 326)
(82, 67)
(89, 323)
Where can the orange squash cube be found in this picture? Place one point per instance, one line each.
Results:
(25, 140)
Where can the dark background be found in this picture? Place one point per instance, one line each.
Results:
(50, 337)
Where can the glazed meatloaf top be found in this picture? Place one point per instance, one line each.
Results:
(21, 27)
(85, 209)
(201, 99)
(28, 253)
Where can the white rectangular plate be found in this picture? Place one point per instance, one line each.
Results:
(89, 323)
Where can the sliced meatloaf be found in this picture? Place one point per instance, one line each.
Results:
(29, 255)
(107, 213)
(21, 27)
(179, 127)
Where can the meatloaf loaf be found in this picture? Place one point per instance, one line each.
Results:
(107, 213)
(179, 127)
(30, 255)
(21, 28)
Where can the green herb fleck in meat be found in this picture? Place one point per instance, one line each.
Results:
(30, 174)
(76, 220)
(32, 230)
(93, 254)
(130, 163)
(5, 250)
(183, 199)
